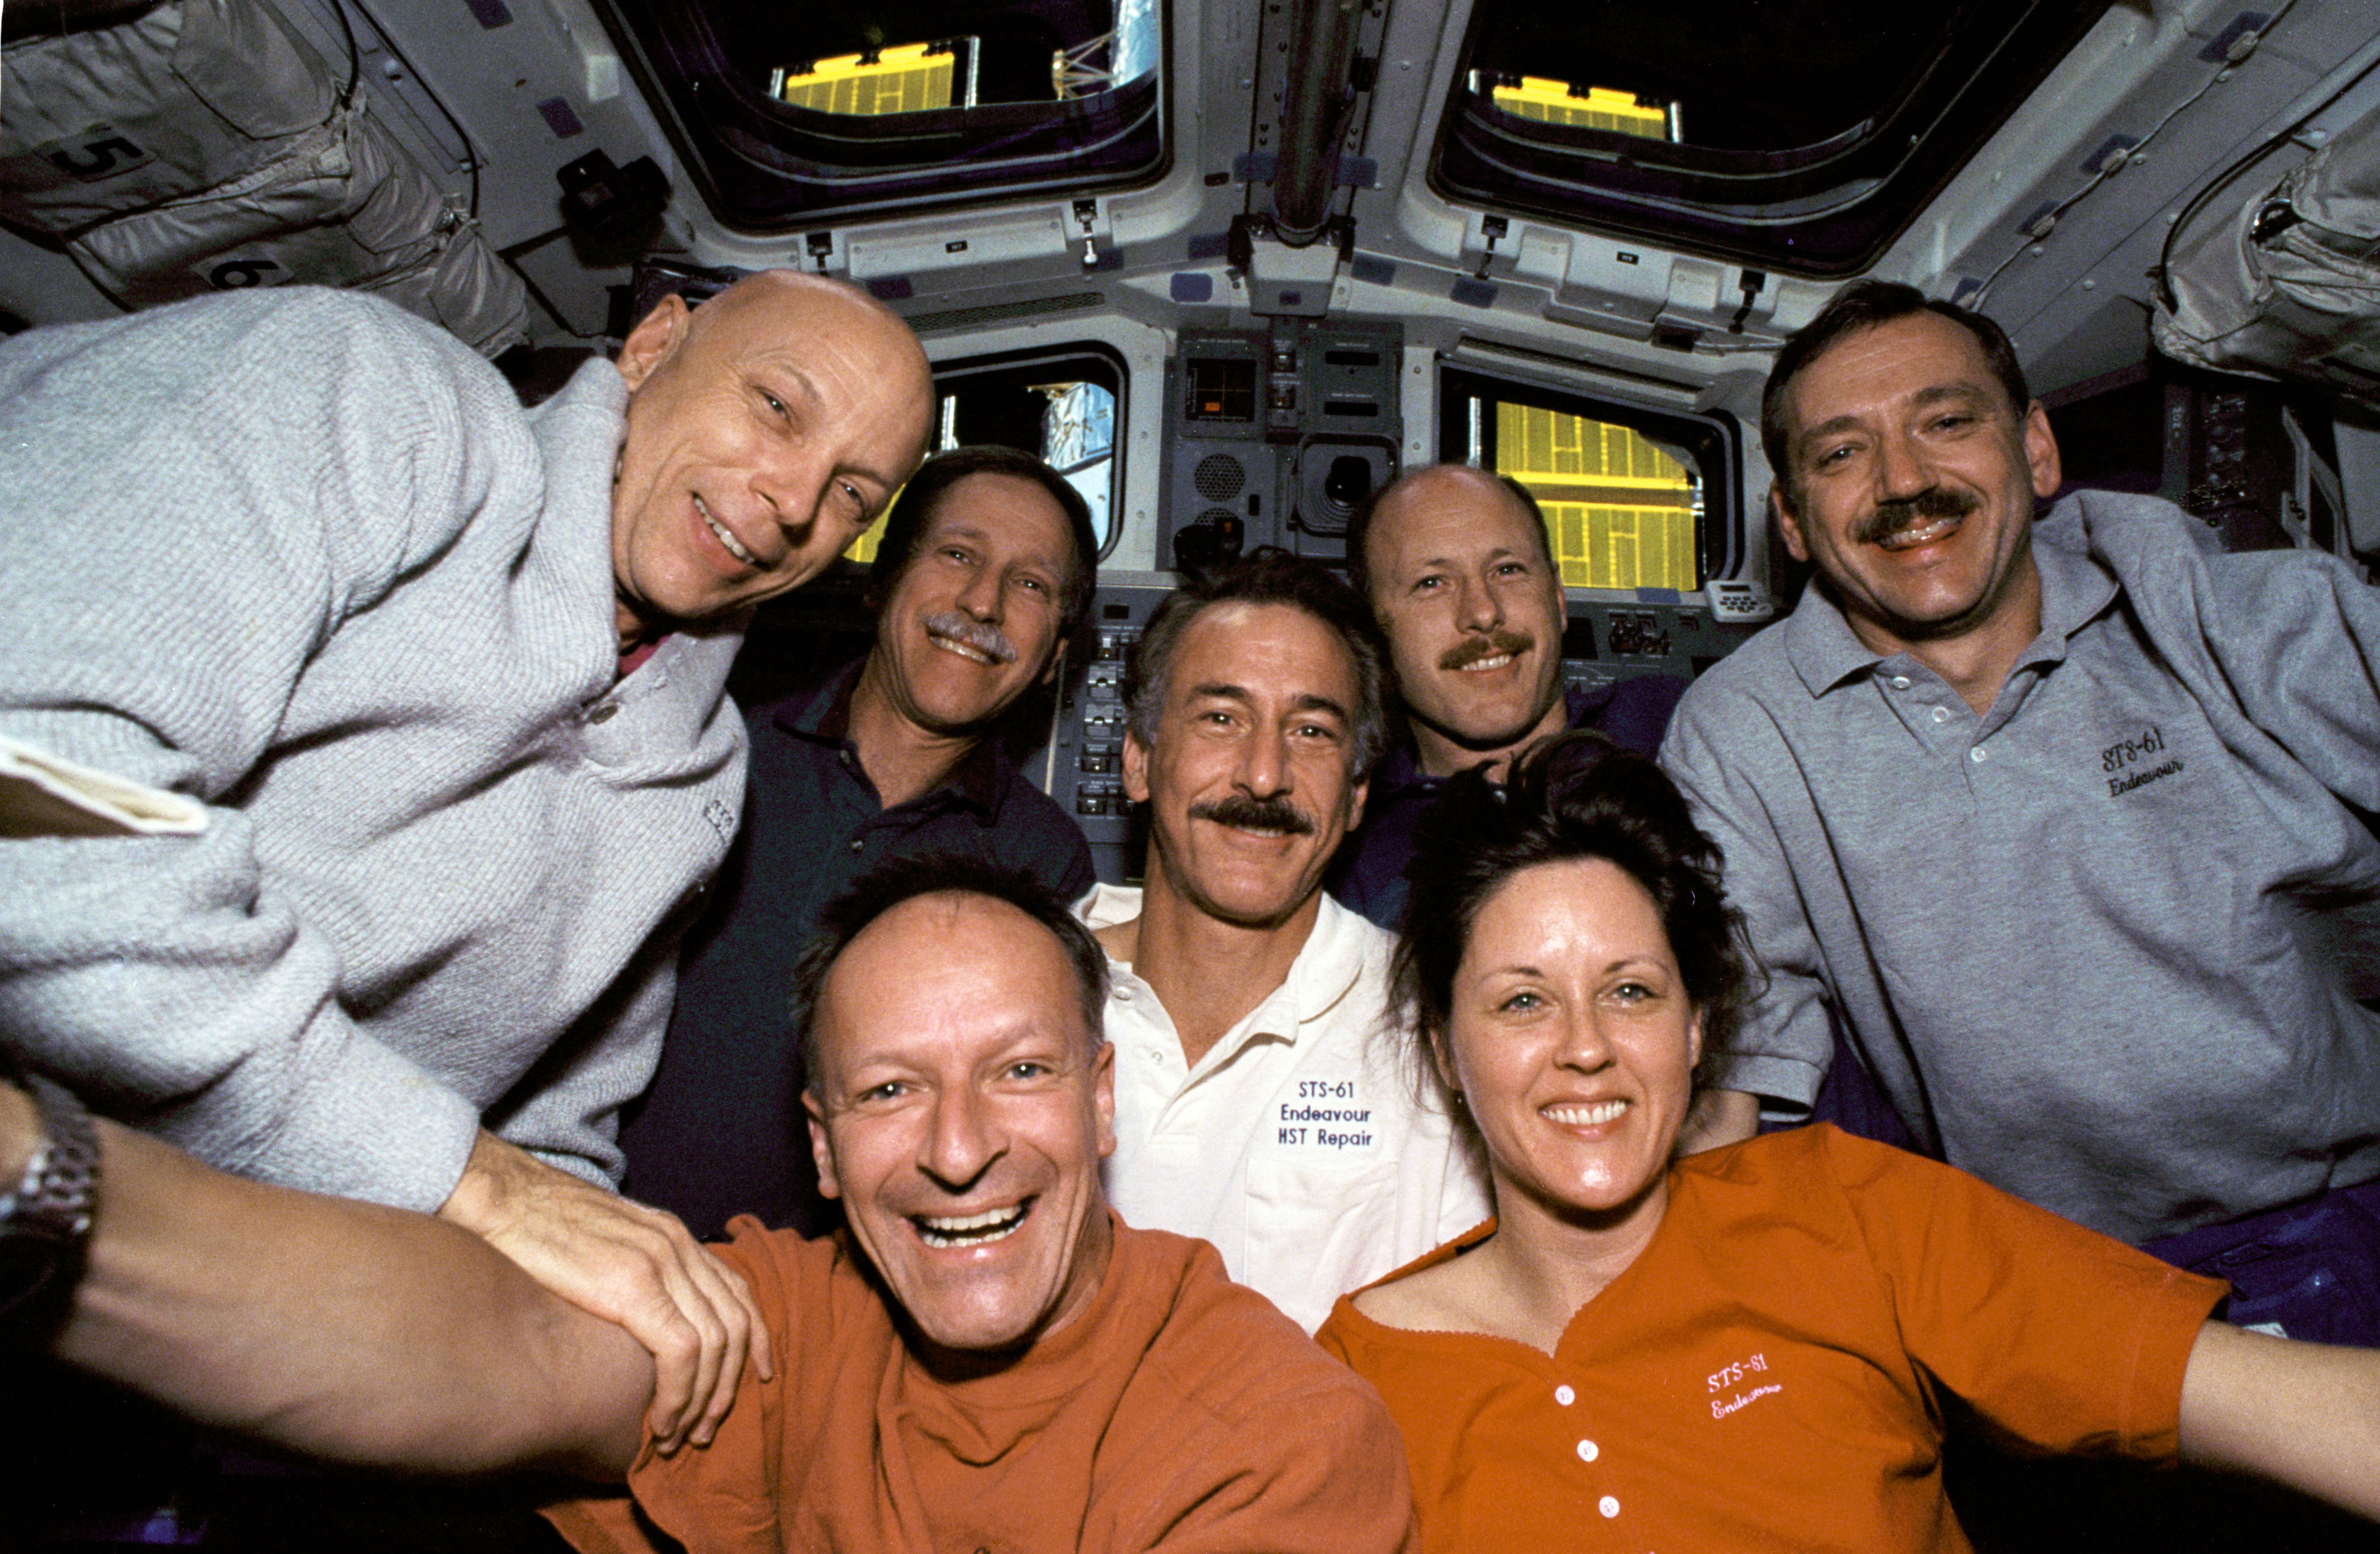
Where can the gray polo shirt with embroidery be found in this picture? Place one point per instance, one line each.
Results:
(2104, 945)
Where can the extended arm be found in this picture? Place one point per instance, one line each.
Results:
(625, 1263)
(2303, 1414)
(342, 1330)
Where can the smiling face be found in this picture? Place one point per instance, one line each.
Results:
(765, 430)
(1248, 785)
(1913, 484)
(974, 618)
(1572, 1041)
(960, 1110)
(1460, 581)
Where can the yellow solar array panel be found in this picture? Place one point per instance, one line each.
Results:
(1600, 108)
(1620, 511)
(896, 81)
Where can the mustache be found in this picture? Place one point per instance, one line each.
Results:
(973, 633)
(1240, 811)
(1891, 517)
(1471, 650)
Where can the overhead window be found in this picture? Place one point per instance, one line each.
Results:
(787, 114)
(1799, 134)
(1632, 498)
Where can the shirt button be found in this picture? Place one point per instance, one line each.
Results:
(603, 714)
(856, 844)
(1979, 754)
(1588, 1452)
(1941, 714)
(1564, 1396)
(1901, 682)
(1609, 1505)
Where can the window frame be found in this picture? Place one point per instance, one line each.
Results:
(766, 168)
(1825, 211)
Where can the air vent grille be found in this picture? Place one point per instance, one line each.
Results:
(1218, 476)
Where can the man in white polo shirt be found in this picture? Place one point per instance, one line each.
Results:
(1263, 1100)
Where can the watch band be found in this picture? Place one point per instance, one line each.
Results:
(48, 1212)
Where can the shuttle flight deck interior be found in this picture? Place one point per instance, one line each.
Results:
(1231, 265)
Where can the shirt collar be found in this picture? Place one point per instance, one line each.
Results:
(2075, 589)
(1820, 645)
(1825, 652)
(1401, 768)
(822, 716)
(1326, 969)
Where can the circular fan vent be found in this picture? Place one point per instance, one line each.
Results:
(1218, 476)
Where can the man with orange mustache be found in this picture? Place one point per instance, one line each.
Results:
(987, 564)
(1258, 1102)
(1457, 566)
(2065, 820)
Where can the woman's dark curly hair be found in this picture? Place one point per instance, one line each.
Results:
(1577, 795)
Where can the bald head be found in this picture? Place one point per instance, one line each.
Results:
(767, 299)
(1464, 488)
(766, 429)
(1459, 571)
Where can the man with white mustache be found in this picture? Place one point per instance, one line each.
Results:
(1459, 571)
(1259, 1101)
(2064, 821)
(986, 565)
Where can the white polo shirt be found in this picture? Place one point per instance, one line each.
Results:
(1299, 1145)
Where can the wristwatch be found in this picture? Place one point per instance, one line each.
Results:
(46, 1215)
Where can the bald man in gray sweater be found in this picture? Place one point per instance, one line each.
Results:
(344, 841)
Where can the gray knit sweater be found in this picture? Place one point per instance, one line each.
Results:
(305, 559)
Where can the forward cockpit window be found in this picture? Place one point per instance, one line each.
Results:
(1061, 404)
(1628, 493)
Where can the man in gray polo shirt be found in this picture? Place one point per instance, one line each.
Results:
(2054, 819)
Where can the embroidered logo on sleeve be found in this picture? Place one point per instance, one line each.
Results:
(2136, 760)
(1740, 1384)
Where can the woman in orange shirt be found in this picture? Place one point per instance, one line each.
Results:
(1753, 1347)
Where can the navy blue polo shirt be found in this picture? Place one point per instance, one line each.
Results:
(1369, 876)
(721, 1131)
